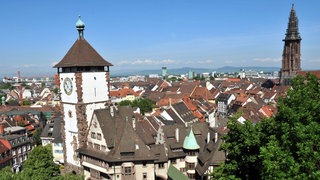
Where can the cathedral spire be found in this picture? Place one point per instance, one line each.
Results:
(293, 30)
(291, 56)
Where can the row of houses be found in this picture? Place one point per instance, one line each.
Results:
(207, 100)
(18, 125)
(180, 138)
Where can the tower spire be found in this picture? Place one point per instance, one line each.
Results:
(291, 56)
(292, 30)
(80, 27)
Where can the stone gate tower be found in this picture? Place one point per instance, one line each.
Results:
(84, 86)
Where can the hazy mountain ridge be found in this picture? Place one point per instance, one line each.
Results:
(185, 70)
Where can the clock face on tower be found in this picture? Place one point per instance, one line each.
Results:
(67, 85)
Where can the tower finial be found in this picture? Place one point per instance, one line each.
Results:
(292, 7)
(80, 27)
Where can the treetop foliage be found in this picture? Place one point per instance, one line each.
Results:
(145, 105)
(283, 147)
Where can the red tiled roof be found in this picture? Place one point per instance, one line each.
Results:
(29, 127)
(28, 108)
(233, 80)
(266, 111)
(123, 93)
(315, 72)
(198, 115)
(5, 143)
(241, 100)
(166, 101)
(201, 92)
(189, 104)
(269, 95)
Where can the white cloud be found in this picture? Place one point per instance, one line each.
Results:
(54, 63)
(267, 59)
(228, 62)
(149, 62)
(206, 62)
(25, 66)
(123, 63)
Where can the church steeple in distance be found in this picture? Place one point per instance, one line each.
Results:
(291, 57)
(293, 29)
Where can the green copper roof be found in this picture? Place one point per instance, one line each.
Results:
(175, 174)
(190, 141)
(79, 24)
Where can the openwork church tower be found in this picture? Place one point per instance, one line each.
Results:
(291, 57)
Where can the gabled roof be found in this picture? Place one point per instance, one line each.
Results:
(122, 140)
(82, 54)
(182, 110)
(201, 92)
(146, 131)
(223, 97)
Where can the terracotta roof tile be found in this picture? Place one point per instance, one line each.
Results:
(315, 72)
(201, 92)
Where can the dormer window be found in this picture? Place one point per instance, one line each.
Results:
(99, 136)
(93, 135)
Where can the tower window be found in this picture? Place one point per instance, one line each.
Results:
(70, 113)
(145, 175)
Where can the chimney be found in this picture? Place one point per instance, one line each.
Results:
(1, 129)
(177, 134)
(208, 137)
(112, 111)
(215, 137)
(134, 123)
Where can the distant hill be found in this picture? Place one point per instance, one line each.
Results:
(185, 70)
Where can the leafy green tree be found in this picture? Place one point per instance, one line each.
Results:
(56, 90)
(39, 164)
(125, 103)
(6, 173)
(36, 136)
(26, 103)
(145, 105)
(70, 176)
(283, 147)
(242, 145)
(172, 79)
(6, 86)
(21, 123)
(199, 78)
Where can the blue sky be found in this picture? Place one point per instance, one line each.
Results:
(149, 34)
